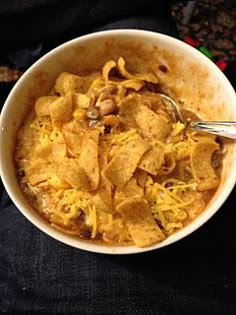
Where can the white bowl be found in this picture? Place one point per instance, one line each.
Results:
(191, 76)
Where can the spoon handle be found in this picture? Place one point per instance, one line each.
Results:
(221, 128)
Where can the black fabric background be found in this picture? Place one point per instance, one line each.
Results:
(39, 275)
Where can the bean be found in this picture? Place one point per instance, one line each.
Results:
(20, 173)
(85, 233)
(92, 113)
(107, 129)
(163, 68)
(106, 107)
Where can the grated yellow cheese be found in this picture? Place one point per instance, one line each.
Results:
(177, 128)
(166, 205)
(94, 221)
(42, 143)
(122, 138)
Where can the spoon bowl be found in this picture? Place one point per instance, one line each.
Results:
(225, 129)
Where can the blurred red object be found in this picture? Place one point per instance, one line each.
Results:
(190, 41)
(221, 64)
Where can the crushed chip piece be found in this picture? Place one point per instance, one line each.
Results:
(130, 190)
(88, 159)
(107, 69)
(134, 84)
(38, 171)
(122, 166)
(129, 105)
(103, 202)
(72, 126)
(141, 177)
(152, 125)
(140, 222)
(42, 105)
(73, 142)
(80, 100)
(57, 183)
(98, 83)
(154, 100)
(122, 70)
(61, 110)
(148, 77)
(152, 160)
(135, 112)
(202, 170)
(168, 164)
(70, 170)
(67, 82)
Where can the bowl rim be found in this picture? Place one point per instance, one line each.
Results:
(102, 248)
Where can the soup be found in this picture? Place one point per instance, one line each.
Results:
(101, 157)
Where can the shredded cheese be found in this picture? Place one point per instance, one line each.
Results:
(49, 140)
(94, 221)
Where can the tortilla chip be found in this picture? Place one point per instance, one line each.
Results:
(43, 151)
(203, 172)
(113, 151)
(130, 190)
(133, 84)
(107, 69)
(121, 91)
(103, 202)
(141, 177)
(152, 160)
(88, 159)
(57, 183)
(42, 105)
(39, 177)
(121, 67)
(135, 112)
(59, 149)
(43, 147)
(61, 110)
(80, 100)
(103, 199)
(70, 170)
(67, 82)
(154, 99)
(72, 126)
(97, 84)
(129, 105)
(38, 170)
(73, 142)
(89, 79)
(152, 125)
(102, 154)
(168, 164)
(122, 166)
(140, 222)
(148, 77)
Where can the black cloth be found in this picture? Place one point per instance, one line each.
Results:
(28, 22)
(39, 275)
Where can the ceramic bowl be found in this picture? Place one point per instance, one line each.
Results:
(191, 77)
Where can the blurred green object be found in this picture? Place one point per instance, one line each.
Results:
(206, 52)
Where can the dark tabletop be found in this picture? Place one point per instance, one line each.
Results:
(39, 275)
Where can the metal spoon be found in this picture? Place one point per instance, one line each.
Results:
(220, 128)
